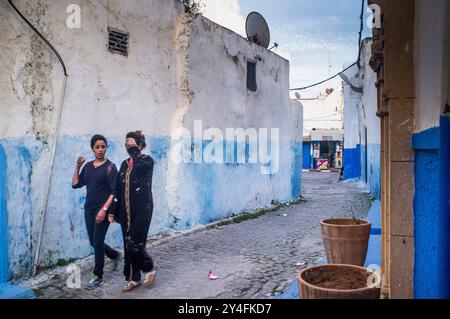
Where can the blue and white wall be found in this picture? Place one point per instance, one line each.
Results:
(371, 122)
(431, 143)
(169, 80)
(352, 143)
(4, 259)
(361, 156)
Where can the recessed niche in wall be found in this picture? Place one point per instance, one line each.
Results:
(251, 75)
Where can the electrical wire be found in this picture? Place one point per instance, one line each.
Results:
(323, 116)
(324, 120)
(318, 83)
(41, 36)
(356, 63)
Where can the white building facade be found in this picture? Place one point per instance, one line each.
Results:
(322, 130)
(361, 124)
(181, 74)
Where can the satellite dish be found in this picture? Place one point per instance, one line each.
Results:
(257, 29)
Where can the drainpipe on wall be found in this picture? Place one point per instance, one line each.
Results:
(49, 183)
(58, 124)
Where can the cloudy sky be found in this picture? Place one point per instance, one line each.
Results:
(306, 31)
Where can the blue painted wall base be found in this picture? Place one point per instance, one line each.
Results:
(4, 260)
(444, 199)
(374, 169)
(432, 211)
(307, 159)
(8, 291)
(355, 164)
(296, 167)
(352, 162)
(374, 216)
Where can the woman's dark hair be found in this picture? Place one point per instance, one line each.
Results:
(96, 138)
(138, 137)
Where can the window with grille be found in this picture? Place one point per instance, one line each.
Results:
(117, 41)
(251, 76)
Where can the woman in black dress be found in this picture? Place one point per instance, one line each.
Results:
(133, 210)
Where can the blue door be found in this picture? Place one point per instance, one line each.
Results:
(307, 155)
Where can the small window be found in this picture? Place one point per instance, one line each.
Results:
(117, 41)
(251, 76)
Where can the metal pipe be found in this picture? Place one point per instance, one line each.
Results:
(41, 228)
(58, 125)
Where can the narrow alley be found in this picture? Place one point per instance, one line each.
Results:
(254, 149)
(254, 258)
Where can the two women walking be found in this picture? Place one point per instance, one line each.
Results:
(124, 197)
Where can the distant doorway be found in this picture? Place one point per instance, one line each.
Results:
(328, 151)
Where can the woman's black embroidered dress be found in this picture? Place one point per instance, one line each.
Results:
(133, 210)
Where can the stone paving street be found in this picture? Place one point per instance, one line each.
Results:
(254, 258)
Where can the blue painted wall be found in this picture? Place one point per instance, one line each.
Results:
(186, 195)
(352, 162)
(426, 211)
(363, 158)
(431, 212)
(374, 169)
(296, 167)
(4, 265)
(354, 166)
(444, 200)
(307, 158)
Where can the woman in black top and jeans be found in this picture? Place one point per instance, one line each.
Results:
(99, 176)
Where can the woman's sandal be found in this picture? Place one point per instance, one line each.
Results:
(130, 286)
(150, 278)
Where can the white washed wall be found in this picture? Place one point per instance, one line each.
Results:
(177, 71)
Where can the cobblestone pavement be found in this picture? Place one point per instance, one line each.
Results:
(254, 258)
